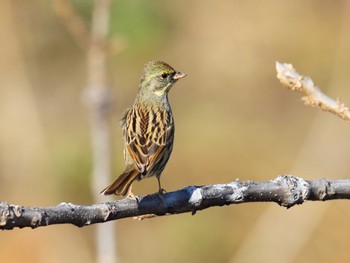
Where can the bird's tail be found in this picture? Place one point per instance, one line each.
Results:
(122, 184)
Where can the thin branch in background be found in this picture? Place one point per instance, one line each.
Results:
(291, 79)
(73, 22)
(97, 98)
(285, 190)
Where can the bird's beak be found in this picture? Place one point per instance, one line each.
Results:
(179, 75)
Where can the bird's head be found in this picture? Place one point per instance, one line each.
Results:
(158, 77)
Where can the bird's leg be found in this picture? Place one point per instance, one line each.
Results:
(161, 191)
(130, 194)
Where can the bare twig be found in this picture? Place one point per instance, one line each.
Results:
(97, 96)
(73, 22)
(285, 190)
(98, 99)
(290, 78)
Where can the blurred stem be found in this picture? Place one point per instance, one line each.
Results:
(72, 21)
(98, 100)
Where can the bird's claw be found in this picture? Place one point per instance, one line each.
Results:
(162, 191)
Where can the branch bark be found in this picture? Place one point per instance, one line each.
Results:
(285, 190)
(291, 79)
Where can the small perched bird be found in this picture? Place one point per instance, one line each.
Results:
(148, 129)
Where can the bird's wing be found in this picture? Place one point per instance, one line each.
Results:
(147, 132)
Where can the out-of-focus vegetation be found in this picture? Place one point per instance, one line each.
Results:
(233, 120)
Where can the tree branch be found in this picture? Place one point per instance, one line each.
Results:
(73, 22)
(285, 190)
(290, 78)
(97, 96)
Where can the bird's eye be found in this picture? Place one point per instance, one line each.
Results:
(164, 75)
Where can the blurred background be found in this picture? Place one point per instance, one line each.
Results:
(233, 120)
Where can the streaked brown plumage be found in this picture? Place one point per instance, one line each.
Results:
(148, 129)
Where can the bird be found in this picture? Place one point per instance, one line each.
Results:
(147, 129)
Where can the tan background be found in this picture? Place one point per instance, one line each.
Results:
(233, 120)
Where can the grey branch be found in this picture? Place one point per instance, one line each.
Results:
(291, 79)
(285, 190)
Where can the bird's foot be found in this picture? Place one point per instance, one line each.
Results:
(131, 195)
(162, 191)
(133, 198)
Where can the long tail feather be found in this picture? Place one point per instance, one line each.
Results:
(122, 184)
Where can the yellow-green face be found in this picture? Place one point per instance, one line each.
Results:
(159, 77)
